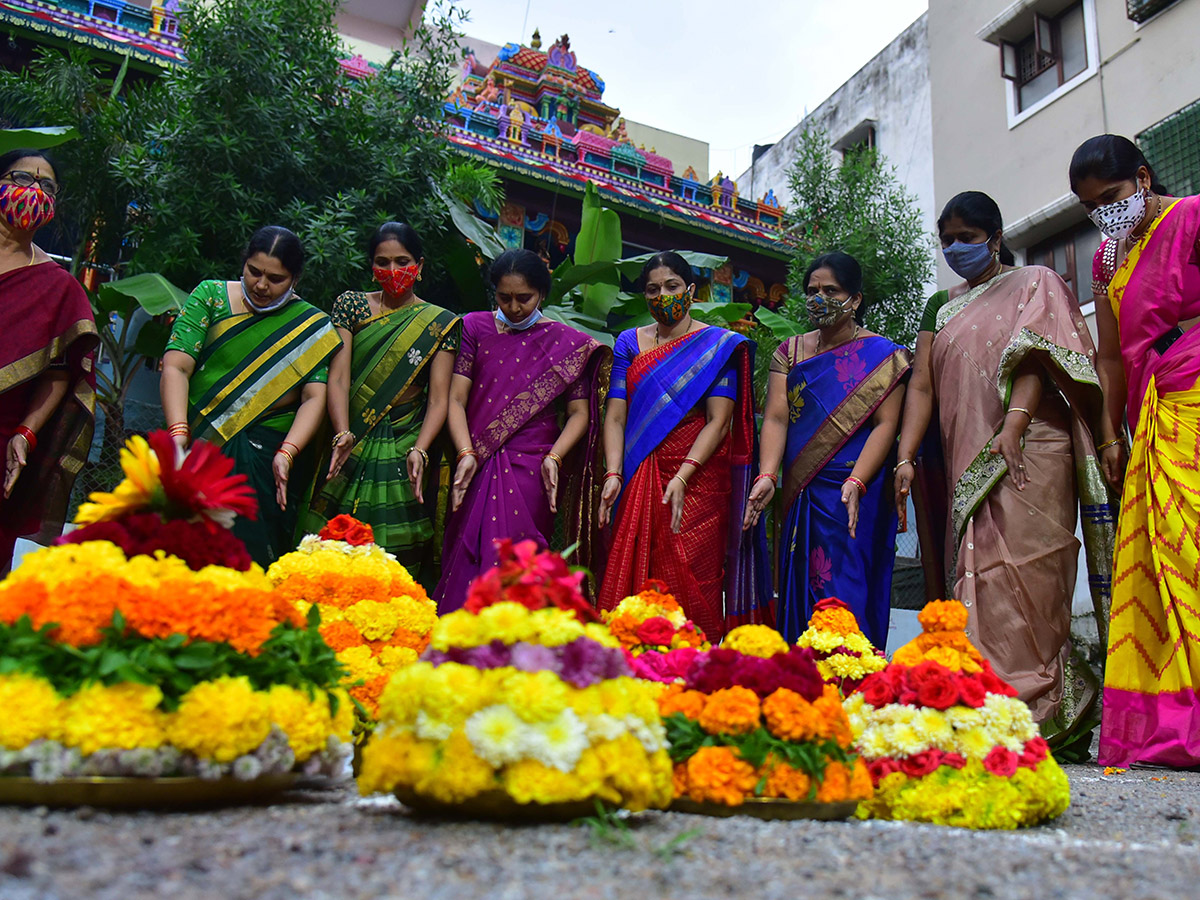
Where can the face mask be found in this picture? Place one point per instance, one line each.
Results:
(825, 311)
(278, 304)
(1118, 219)
(524, 325)
(968, 261)
(669, 309)
(396, 282)
(25, 208)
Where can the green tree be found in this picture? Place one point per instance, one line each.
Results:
(861, 208)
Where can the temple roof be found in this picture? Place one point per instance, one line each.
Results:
(132, 32)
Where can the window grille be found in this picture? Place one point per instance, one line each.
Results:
(1172, 147)
(1141, 10)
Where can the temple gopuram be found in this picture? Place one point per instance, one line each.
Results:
(147, 32)
(539, 117)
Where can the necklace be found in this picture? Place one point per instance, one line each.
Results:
(658, 337)
(1130, 244)
(852, 339)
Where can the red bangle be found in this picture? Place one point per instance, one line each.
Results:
(30, 437)
(774, 478)
(687, 460)
(608, 475)
(862, 488)
(290, 444)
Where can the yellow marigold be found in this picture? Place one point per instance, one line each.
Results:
(717, 774)
(452, 692)
(505, 621)
(401, 699)
(374, 619)
(416, 614)
(392, 759)
(121, 717)
(555, 627)
(943, 615)
(457, 773)
(457, 629)
(221, 719)
(307, 721)
(674, 699)
(359, 662)
(783, 781)
(835, 785)
(536, 696)
(394, 658)
(32, 710)
(600, 634)
(733, 710)
(790, 717)
(755, 640)
(530, 781)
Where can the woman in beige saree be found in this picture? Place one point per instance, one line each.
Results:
(1006, 360)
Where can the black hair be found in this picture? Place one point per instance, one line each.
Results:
(671, 260)
(397, 231)
(1110, 157)
(980, 211)
(280, 243)
(848, 273)
(8, 159)
(525, 263)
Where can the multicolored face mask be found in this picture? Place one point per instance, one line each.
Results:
(396, 282)
(825, 311)
(25, 208)
(669, 309)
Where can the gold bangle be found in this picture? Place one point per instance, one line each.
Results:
(1019, 409)
(341, 434)
(681, 478)
(424, 455)
(286, 455)
(466, 451)
(1107, 444)
(554, 456)
(903, 462)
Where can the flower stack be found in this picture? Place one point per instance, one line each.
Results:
(373, 614)
(523, 703)
(946, 739)
(844, 655)
(659, 639)
(754, 720)
(148, 644)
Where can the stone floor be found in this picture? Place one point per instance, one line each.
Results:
(1130, 834)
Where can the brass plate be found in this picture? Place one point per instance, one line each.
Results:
(768, 808)
(496, 806)
(141, 793)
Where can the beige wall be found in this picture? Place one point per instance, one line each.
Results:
(374, 28)
(680, 150)
(1141, 76)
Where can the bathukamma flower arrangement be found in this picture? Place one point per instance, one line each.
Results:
(523, 700)
(947, 740)
(653, 621)
(844, 655)
(147, 643)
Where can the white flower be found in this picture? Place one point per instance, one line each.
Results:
(651, 734)
(429, 729)
(558, 743)
(497, 735)
(604, 727)
(414, 356)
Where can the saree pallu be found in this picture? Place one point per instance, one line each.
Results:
(717, 572)
(48, 322)
(249, 363)
(1012, 555)
(513, 422)
(1152, 676)
(831, 400)
(390, 355)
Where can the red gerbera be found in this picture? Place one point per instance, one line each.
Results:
(202, 483)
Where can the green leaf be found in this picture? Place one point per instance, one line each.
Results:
(471, 227)
(726, 312)
(151, 291)
(568, 276)
(596, 328)
(631, 267)
(152, 339)
(780, 327)
(598, 241)
(36, 138)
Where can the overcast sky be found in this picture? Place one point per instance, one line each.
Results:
(734, 74)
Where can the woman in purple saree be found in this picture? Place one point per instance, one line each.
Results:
(513, 370)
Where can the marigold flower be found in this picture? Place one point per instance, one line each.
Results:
(717, 774)
(784, 781)
(677, 700)
(221, 720)
(733, 710)
(755, 640)
(32, 710)
(943, 615)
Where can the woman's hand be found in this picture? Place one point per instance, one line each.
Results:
(282, 467)
(850, 498)
(550, 481)
(608, 498)
(673, 497)
(341, 453)
(1113, 460)
(1008, 444)
(416, 473)
(905, 472)
(463, 474)
(760, 499)
(14, 463)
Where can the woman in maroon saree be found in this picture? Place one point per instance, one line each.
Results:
(47, 351)
(515, 460)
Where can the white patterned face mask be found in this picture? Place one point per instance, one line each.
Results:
(1119, 218)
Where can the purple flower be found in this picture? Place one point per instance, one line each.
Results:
(489, 656)
(585, 662)
(437, 657)
(534, 658)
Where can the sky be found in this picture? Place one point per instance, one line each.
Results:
(734, 74)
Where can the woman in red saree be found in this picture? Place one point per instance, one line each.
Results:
(680, 424)
(1147, 290)
(48, 342)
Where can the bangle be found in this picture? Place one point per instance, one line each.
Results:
(30, 437)
(294, 446)
(1019, 409)
(608, 475)
(903, 462)
(288, 456)
(338, 437)
(1107, 444)
(424, 455)
(178, 427)
(680, 477)
(687, 460)
(554, 456)
(466, 451)
(774, 478)
(862, 488)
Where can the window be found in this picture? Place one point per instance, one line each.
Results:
(1048, 58)
(1069, 253)
(1172, 147)
(1141, 10)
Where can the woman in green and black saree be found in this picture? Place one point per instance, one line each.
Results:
(389, 386)
(246, 368)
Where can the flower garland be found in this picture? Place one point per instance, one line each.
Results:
(521, 693)
(653, 620)
(844, 655)
(947, 740)
(374, 615)
(752, 725)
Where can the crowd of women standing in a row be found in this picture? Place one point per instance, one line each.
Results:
(1029, 423)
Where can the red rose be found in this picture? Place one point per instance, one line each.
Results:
(920, 764)
(972, 691)
(830, 603)
(335, 529)
(1036, 750)
(877, 690)
(656, 631)
(655, 585)
(531, 596)
(483, 591)
(359, 534)
(881, 768)
(993, 683)
(1001, 762)
(934, 685)
(954, 760)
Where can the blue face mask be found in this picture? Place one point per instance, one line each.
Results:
(968, 261)
(529, 321)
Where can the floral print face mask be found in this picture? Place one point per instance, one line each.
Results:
(669, 309)
(25, 208)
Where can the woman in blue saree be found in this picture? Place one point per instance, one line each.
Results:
(833, 410)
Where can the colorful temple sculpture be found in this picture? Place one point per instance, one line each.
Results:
(147, 31)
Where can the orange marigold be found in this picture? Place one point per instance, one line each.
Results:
(340, 635)
(835, 786)
(402, 637)
(784, 781)
(733, 710)
(677, 700)
(839, 621)
(624, 629)
(832, 718)
(860, 782)
(368, 694)
(943, 615)
(790, 717)
(679, 779)
(717, 774)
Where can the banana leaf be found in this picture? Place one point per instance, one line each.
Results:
(36, 138)
(151, 291)
(599, 241)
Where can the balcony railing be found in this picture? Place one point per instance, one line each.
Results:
(1141, 10)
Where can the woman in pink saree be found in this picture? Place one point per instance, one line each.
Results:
(1147, 291)
(1007, 362)
(517, 464)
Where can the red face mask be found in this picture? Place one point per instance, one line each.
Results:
(396, 282)
(25, 208)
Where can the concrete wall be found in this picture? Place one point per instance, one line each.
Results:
(374, 28)
(681, 150)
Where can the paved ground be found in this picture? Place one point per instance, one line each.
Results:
(1126, 835)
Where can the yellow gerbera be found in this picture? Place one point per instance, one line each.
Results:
(142, 481)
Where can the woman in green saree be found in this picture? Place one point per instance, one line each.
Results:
(245, 368)
(389, 387)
